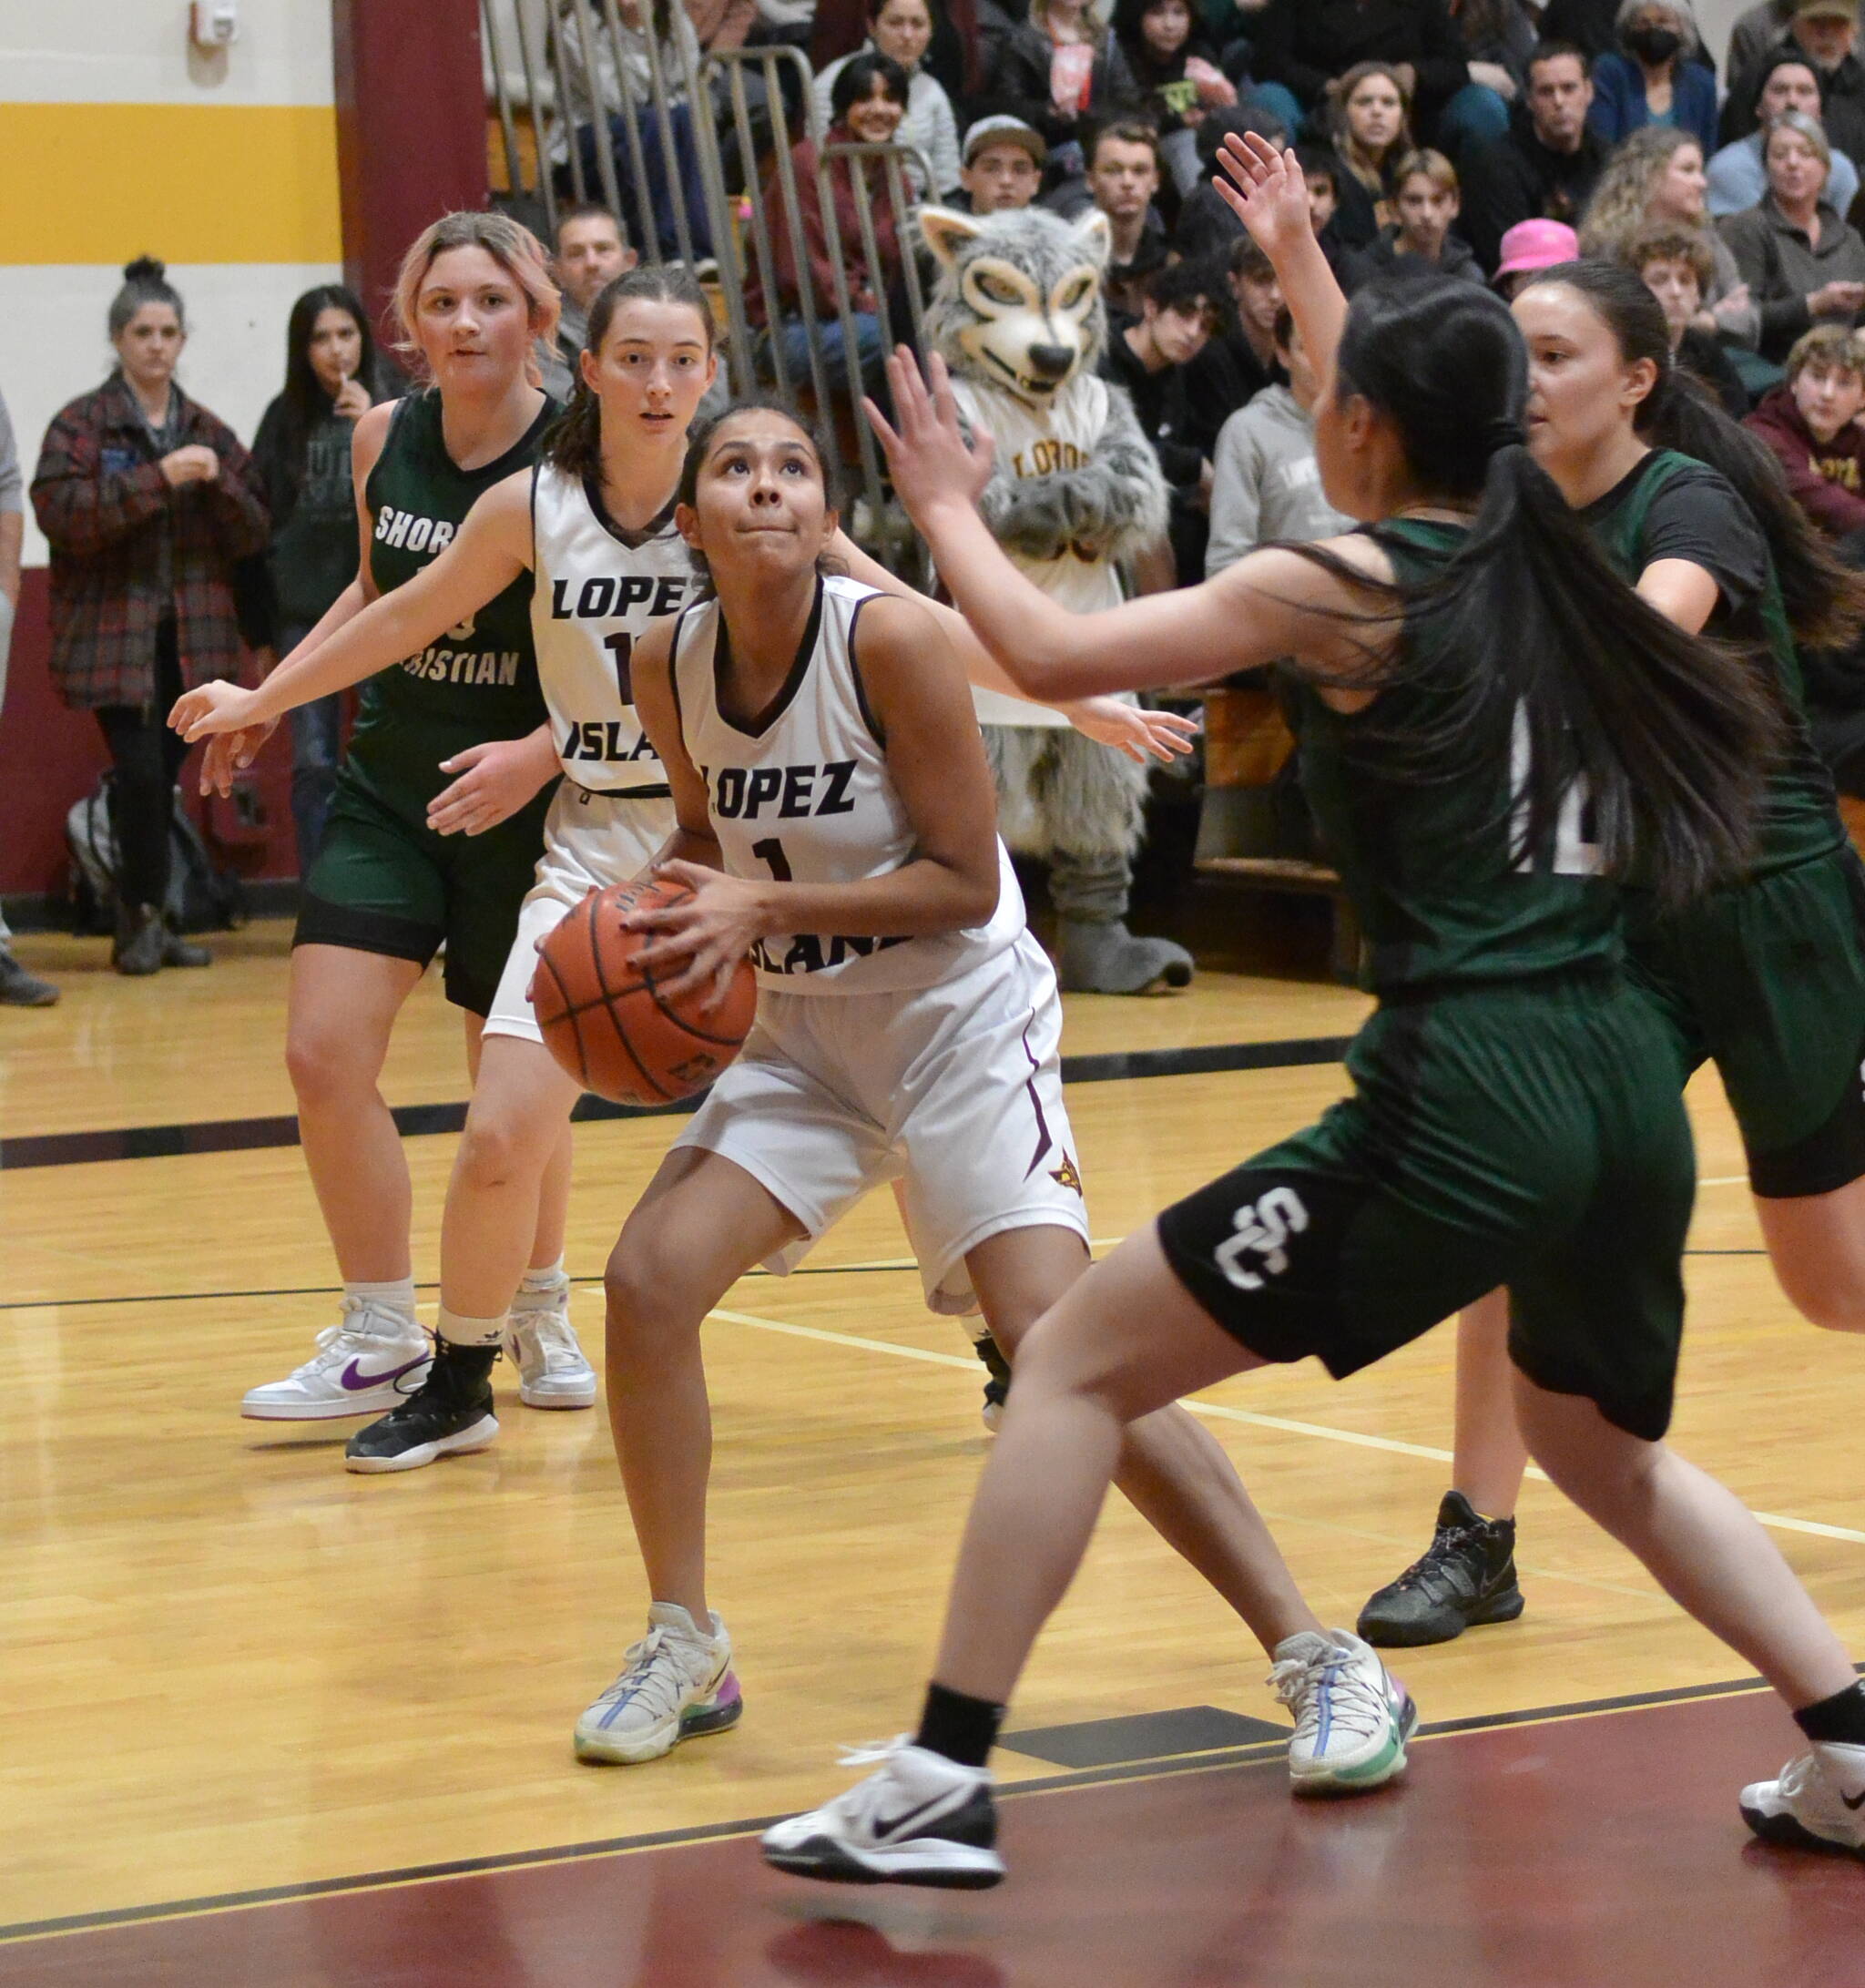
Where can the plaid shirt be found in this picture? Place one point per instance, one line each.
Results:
(130, 552)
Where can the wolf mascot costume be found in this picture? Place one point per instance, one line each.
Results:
(1019, 317)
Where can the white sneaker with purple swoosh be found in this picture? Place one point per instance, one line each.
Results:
(921, 1819)
(363, 1365)
(1817, 1803)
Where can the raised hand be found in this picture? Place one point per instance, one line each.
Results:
(1266, 189)
(1143, 736)
(929, 461)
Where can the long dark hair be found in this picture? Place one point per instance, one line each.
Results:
(306, 402)
(1824, 599)
(572, 442)
(1528, 626)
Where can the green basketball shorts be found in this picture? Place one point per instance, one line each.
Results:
(1531, 1135)
(1767, 980)
(385, 884)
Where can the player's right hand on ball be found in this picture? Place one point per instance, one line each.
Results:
(711, 931)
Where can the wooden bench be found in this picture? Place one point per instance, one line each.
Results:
(1246, 745)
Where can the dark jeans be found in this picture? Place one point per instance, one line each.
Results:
(660, 203)
(147, 756)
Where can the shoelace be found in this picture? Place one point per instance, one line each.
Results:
(552, 1334)
(643, 1675)
(1354, 1702)
(1430, 1570)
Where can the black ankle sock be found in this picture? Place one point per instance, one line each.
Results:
(1841, 1717)
(963, 1729)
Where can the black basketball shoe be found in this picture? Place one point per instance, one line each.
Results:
(1464, 1577)
(997, 1388)
(449, 1413)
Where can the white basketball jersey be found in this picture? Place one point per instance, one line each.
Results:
(596, 590)
(809, 799)
(1031, 444)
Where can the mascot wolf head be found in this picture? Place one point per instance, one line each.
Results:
(1018, 302)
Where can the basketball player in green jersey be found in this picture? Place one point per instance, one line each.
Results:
(454, 736)
(1473, 677)
(1766, 978)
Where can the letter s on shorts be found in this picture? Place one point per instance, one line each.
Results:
(1262, 1227)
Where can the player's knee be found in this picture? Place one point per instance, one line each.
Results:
(1833, 1307)
(322, 1065)
(497, 1149)
(646, 1298)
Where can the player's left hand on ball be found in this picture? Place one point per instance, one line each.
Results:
(494, 781)
(1141, 734)
(711, 931)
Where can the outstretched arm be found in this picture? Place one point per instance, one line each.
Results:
(1268, 192)
(1271, 604)
(491, 548)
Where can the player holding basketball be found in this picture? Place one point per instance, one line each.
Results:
(592, 524)
(456, 732)
(1473, 677)
(836, 823)
(1766, 978)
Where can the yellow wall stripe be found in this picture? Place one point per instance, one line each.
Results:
(188, 182)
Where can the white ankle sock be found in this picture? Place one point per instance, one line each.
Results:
(552, 1279)
(458, 1330)
(396, 1295)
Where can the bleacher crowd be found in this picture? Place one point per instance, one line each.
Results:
(1484, 139)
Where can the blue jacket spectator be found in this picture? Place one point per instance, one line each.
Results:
(1654, 65)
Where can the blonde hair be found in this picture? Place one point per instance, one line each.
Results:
(1373, 174)
(511, 245)
(1831, 348)
(1617, 210)
(1426, 163)
(1097, 17)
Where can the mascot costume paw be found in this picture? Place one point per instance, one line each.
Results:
(1017, 316)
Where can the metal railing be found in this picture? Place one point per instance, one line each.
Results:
(577, 82)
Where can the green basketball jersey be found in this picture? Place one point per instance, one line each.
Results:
(1799, 819)
(479, 681)
(1444, 898)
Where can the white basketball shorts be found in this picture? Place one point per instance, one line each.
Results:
(954, 1089)
(590, 840)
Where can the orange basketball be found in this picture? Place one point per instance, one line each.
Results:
(607, 1021)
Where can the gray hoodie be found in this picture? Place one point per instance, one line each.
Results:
(1264, 483)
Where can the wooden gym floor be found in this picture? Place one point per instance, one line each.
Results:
(229, 1672)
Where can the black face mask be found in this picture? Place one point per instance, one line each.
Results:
(1653, 45)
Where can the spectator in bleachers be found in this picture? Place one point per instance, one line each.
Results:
(1652, 77)
(1801, 261)
(903, 29)
(18, 988)
(1265, 482)
(1206, 226)
(1424, 205)
(1826, 32)
(1589, 25)
(1498, 37)
(966, 35)
(1812, 423)
(1240, 361)
(1175, 72)
(1373, 136)
(622, 75)
(1123, 181)
(1529, 247)
(1003, 168)
(149, 502)
(301, 453)
(592, 251)
(1752, 39)
(1736, 177)
(867, 103)
(1674, 263)
(1061, 70)
(1656, 174)
(1545, 165)
(1310, 47)
(1147, 355)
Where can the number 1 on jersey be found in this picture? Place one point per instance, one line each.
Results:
(621, 646)
(769, 852)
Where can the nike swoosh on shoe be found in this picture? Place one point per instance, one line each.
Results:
(356, 1381)
(892, 1825)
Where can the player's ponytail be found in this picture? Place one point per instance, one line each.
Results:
(1528, 633)
(1824, 599)
(573, 442)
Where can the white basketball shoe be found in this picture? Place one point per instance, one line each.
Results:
(1353, 1719)
(675, 1684)
(541, 1345)
(363, 1365)
(920, 1819)
(1817, 1803)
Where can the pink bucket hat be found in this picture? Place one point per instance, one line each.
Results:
(1537, 245)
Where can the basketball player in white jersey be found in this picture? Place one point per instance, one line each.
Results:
(593, 522)
(836, 821)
